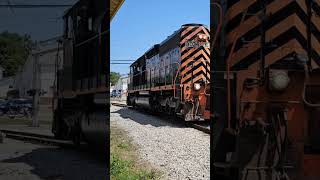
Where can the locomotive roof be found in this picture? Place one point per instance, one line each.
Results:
(98, 5)
(76, 5)
(138, 60)
(153, 50)
(169, 37)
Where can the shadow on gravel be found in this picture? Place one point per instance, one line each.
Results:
(147, 118)
(62, 164)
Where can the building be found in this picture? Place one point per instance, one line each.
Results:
(6, 84)
(40, 70)
(122, 86)
(111, 88)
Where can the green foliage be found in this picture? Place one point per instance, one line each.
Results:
(114, 77)
(14, 51)
(124, 170)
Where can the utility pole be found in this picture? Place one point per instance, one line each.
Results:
(36, 87)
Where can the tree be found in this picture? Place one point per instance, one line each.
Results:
(114, 77)
(14, 51)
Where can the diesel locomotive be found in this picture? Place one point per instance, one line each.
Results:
(265, 90)
(173, 76)
(81, 95)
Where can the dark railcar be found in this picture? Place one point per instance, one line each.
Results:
(264, 100)
(80, 104)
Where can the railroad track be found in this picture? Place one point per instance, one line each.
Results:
(119, 104)
(204, 127)
(37, 138)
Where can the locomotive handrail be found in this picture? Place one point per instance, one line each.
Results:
(169, 66)
(92, 38)
(219, 24)
(228, 72)
(174, 87)
(304, 91)
(157, 68)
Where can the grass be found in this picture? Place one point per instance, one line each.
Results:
(125, 164)
(19, 121)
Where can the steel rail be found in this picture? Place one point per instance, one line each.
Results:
(39, 138)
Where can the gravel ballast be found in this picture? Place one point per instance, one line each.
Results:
(178, 151)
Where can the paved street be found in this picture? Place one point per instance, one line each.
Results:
(25, 161)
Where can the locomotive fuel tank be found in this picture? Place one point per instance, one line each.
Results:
(144, 102)
(94, 125)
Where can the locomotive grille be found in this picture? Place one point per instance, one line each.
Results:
(287, 32)
(195, 60)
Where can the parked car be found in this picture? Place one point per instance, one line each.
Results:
(3, 107)
(114, 93)
(25, 103)
(17, 107)
(119, 93)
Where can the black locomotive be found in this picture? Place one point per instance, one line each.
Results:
(80, 103)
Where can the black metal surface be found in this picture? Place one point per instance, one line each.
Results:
(86, 67)
(171, 42)
(218, 86)
(95, 129)
(85, 44)
(153, 51)
(144, 102)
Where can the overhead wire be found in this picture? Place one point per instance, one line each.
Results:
(11, 6)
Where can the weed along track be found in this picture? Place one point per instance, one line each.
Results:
(125, 159)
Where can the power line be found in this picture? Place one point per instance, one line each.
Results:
(121, 60)
(34, 5)
(120, 63)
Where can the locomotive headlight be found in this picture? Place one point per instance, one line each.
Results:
(279, 80)
(197, 86)
(202, 37)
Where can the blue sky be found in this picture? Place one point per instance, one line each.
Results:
(139, 24)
